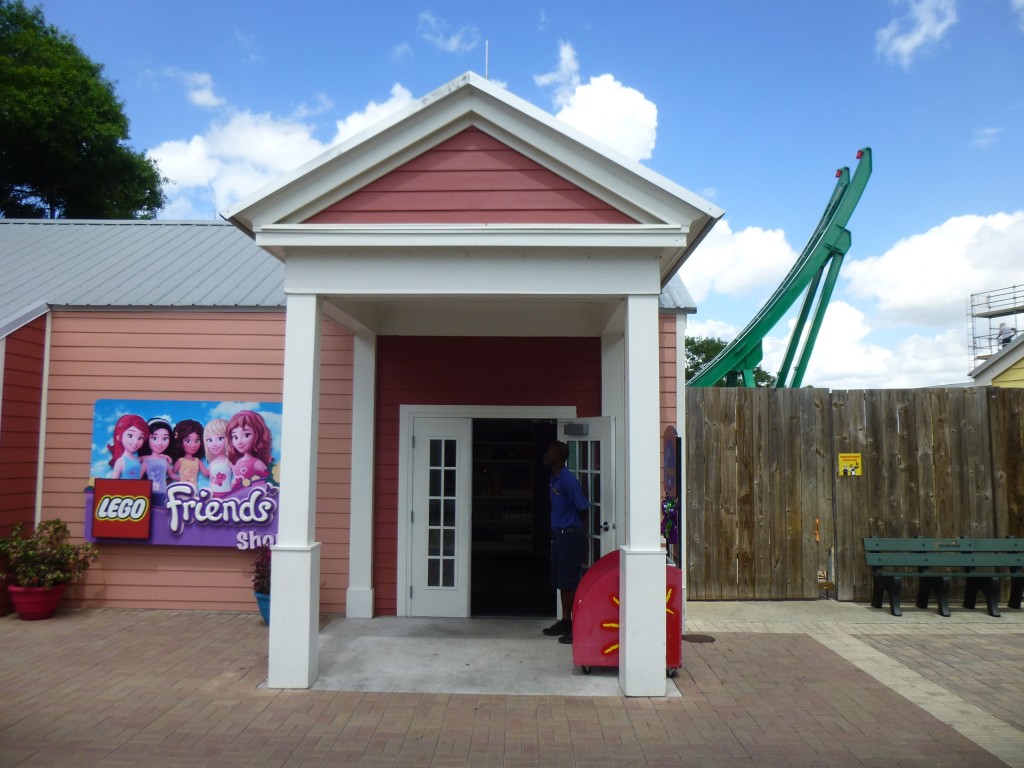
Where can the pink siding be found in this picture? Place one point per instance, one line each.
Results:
(470, 178)
(20, 409)
(200, 355)
(667, 360)
(465, 371)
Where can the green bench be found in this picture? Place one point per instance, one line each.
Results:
(934, 561)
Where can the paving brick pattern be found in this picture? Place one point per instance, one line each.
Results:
(985, 670)
(108, 687)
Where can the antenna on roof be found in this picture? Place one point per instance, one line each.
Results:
(487, 56)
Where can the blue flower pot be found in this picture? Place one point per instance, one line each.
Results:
(263, 602)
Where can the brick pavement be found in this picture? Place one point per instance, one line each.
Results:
(109, 687)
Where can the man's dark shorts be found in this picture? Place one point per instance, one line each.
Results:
(567, 550)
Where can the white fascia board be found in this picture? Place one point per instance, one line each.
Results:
(635, 189)
(458, 275)
(239, 213)
(333, 238)
(625, 183)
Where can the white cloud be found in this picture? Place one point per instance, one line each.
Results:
(605, 109)
(1017, 8)
(401, 53)
(242, 151)
(744, 264)
(986, 137)
(565, 77)
(372, 113)
(902, 316)
(926, 279)
(927, 23)
(198, 87)
(435, 30)
(844, 357)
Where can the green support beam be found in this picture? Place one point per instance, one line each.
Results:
(821, 257)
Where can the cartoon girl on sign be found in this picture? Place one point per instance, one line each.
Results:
(215, 437)
(249, 448)
(188, 445)
(130, 434)
(156, 464)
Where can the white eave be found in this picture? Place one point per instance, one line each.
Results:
(664, 210)
(278, 238)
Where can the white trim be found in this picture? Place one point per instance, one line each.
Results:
(469, 99)
(406, 415)
(419, 274)
(360, 594)
(44, 397)
(420, 236)
(1003, 360)
(294, 651)
(681, 430)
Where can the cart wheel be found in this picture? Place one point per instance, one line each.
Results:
(586, 669)
(670, 672)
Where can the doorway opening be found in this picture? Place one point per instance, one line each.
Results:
(511, 519)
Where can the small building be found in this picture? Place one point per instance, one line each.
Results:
(1004, 368)
(430, 303)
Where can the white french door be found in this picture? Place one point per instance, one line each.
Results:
(440, 517)
(591, 459)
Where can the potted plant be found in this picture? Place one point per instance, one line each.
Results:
(40, 566)
(261, 581)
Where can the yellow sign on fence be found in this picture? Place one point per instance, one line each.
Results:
(849, 464)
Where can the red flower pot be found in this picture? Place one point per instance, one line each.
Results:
(33, 603)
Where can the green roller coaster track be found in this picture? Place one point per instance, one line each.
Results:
(814, 275)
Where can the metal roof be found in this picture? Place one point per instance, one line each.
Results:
(675, 298)
(70, 264)
(154, 264)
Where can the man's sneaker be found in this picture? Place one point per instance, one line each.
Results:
(566, 639)
(560, 627)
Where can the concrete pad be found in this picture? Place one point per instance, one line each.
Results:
(476, 656)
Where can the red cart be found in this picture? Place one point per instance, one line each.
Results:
(595, 617)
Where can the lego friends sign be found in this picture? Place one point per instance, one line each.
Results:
(192, 473)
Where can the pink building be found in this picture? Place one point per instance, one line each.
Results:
(469, 279)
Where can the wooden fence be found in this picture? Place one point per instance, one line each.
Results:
(769, 516)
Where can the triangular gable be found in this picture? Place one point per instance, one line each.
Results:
(471, 178)
(358, 191)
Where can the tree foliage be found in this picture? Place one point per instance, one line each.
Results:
(63, 131)
(701, 350)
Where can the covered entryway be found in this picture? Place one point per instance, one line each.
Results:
(484, 257)
(477, 520)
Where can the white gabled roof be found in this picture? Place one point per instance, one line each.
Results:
(679, 216)
(152, 264)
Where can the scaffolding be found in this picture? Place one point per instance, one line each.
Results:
(986, 311)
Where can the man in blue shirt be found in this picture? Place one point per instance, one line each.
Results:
(568, 537)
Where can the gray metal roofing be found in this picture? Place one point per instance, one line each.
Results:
(675, 297)
(68, 263)
(117, 264)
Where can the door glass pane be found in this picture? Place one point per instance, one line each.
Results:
(585, 463)
(441, 520)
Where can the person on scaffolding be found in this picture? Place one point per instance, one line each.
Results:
(568, 540)
(1006, 334)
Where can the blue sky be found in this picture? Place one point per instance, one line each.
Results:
(751, 104)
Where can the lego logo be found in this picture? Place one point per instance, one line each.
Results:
(122, 508)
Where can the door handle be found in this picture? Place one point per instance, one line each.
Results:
(606, 526)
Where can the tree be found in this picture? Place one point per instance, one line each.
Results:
(63, 131)
(701, 350)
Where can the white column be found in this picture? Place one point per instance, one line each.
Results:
(613, 404)
(642, 572)
(294, 654)
(359, 597)
(681, 427)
